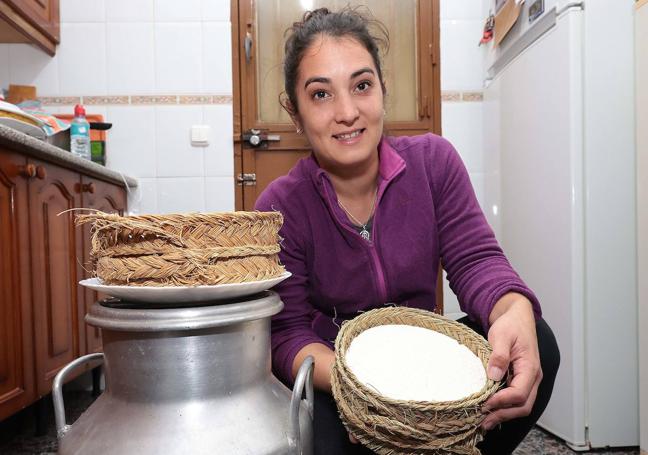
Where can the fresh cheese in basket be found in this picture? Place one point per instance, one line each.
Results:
(406, 362)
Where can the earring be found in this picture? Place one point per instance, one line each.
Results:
(299, 130)
(384, 113)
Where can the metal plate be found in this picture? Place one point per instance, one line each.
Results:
(183, 294)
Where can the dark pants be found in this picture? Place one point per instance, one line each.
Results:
(331, 436)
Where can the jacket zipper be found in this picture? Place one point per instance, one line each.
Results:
(380, 278)
(382, 284)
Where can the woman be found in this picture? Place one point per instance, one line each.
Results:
(367, 218)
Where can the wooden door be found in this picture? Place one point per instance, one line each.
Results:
(54, 269)
(109, 198)
(16, 353)
(410, 69)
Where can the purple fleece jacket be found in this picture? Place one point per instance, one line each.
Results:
(426, 211)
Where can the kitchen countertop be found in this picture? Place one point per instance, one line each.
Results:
(20, 142)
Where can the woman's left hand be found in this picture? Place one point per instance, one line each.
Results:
(512, 336)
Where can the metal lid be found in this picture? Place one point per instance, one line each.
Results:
(132, 317)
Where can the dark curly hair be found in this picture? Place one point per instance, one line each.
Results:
(347, 22)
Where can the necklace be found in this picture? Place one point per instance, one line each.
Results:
(364, 232)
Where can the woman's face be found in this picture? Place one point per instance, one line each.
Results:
(340, 102)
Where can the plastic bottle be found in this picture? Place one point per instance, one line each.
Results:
(80, 134)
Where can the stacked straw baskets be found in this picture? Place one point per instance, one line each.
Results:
(185, 250)
(389, 426)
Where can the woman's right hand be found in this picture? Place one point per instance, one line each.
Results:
(324, 359)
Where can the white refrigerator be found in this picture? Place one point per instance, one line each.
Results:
(559, 140)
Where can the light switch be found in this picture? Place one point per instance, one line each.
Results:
(200, 135)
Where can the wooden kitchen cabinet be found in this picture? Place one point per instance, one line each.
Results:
(42, 326)
(17, 386)
(31, 21)
(54, 272)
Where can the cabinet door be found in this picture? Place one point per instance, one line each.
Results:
(54, 269)
(16, 353)
(108, 198)
(44, 14)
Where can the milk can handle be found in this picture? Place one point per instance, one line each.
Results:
(57, 387)
(304, 379)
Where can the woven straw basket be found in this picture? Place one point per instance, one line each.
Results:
(389, 426)
(185, 250)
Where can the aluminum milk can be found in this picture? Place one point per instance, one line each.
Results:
(189, 380)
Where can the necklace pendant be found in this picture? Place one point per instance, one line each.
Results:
(365, 234)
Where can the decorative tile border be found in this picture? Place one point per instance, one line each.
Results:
(136, 100)
(450, 96)
(105, 100)
(59, 100)
(472, 96)
(154, 99)
(223, 99)
(195, 99)
(454, 96)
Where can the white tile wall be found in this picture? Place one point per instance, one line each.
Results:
(179, 57)
(219, 155)
(30, 66)
(462, 9)
(129, 10)
(144, 198)
(83, 10)
(461, 67)
(82, 61)
(130, 49)
(175, 11)
(219, 194)
(217, 48)
(100, 110)
(176, 157)
(216, 10)
(181, 195)
(131, 145)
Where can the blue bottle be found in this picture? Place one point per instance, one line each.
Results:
(80, 134)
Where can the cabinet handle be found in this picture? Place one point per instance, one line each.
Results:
(41, 172)
(88, 188)
(27, 171)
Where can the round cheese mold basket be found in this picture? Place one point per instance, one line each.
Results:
(391, 426)
(185, 249)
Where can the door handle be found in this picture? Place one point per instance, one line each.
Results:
(88, 188)
(247, 44)
(41, 172)
(256, 137)
(28, 171)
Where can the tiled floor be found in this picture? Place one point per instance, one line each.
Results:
(540, 442)
(17, 433)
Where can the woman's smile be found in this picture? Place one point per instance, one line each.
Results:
(350, 137)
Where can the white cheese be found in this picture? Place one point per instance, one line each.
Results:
(413, 363)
